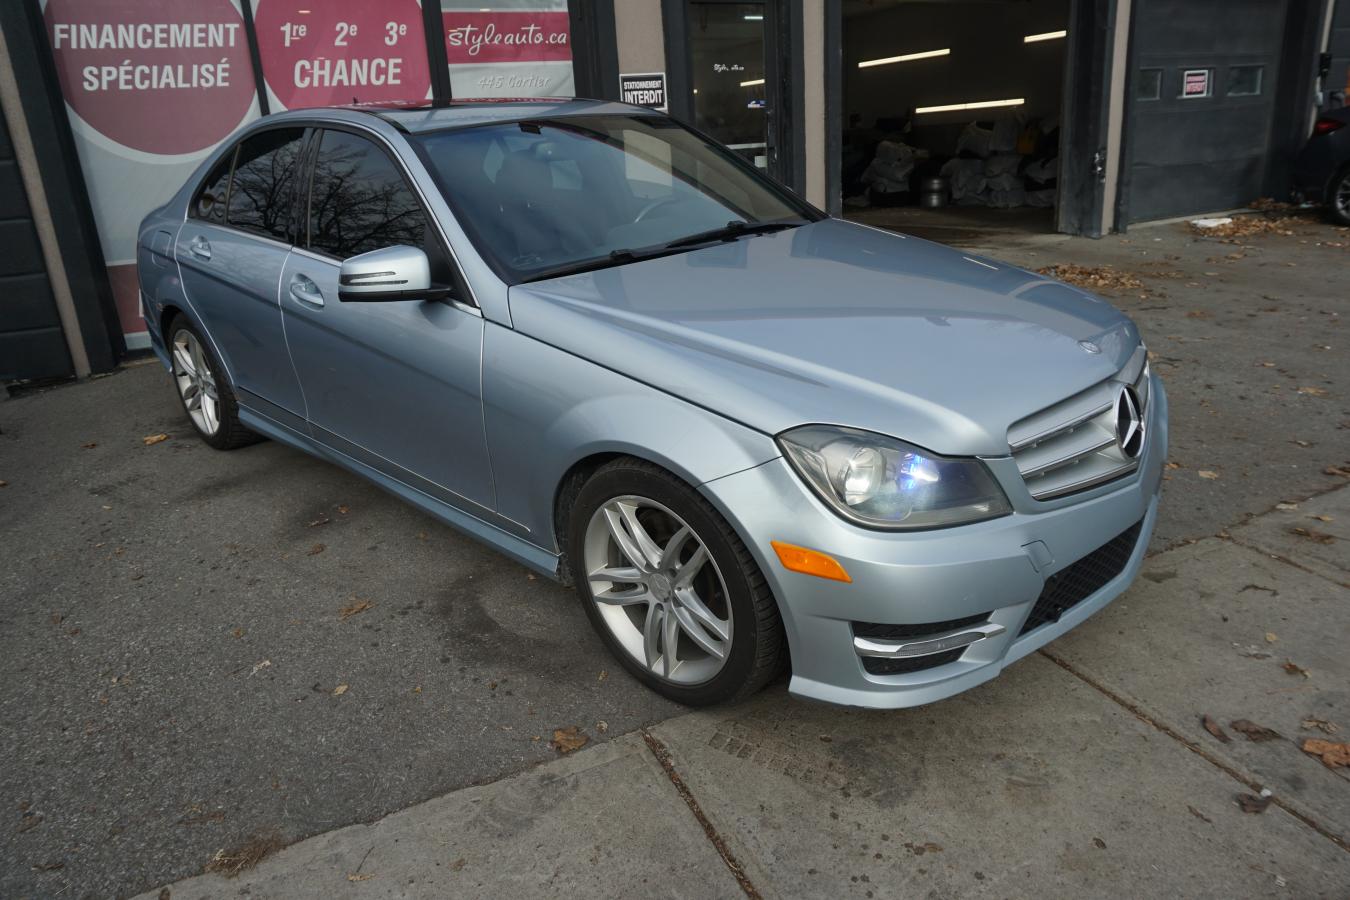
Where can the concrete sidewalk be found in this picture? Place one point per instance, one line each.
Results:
(1079, 771)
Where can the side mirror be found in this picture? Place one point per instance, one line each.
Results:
(392, 273)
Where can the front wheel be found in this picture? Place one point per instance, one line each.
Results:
(670, 587)
(1338, 198)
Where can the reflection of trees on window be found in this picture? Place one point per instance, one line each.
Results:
(359, 201)
(264, 174)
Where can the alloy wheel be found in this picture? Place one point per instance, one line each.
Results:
(1341, 199)
(196, 382)
(658, 589)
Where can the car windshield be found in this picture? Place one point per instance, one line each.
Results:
(544, 197)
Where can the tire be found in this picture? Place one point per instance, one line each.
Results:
(220, 427)
(1338, 198)
(717, 601)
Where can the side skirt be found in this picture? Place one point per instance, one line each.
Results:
(521, 551)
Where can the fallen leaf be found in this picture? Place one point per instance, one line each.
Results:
(1099, 843)
(321, 520)
(569, 739)
(3, 483)
(458, 864)
(89, 446)
(602, 726)
(315, 550)
(421, 535)
(417, 690)
(1321, 725)
(1251, 803)
(353, 609)
(1286, 506)
(1253, 732)
(1208, 474)
(344, 509)
(1333, 755)
(1215, 729)
(1323, 518)
(154, 438)
(603, 675)
(259, 666)
(1271, 637)
(1312, 391)
(1313, 534)
(1343, 471)
(1294, 668)
(238, 632)
(339, 690)
(360, 876)
(1172, 465)
(1096, 277)
(1199, 815)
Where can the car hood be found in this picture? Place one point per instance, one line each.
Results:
(839, 323)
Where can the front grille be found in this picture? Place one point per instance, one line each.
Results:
(880, 632)
(1072, 446)
(1075, 583)
(877, 665)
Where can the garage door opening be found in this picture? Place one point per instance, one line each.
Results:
(952, 115)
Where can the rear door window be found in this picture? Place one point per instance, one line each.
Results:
(209, 204)
(261, 192)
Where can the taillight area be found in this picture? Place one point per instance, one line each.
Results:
(1326, 125)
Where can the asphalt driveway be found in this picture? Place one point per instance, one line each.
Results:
(205, 648)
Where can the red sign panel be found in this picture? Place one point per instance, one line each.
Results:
(150, 78)
(507, 36)
(1195, 83)
(342, 51)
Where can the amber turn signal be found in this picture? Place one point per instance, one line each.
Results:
(809, 562)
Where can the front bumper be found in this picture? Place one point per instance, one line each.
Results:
(991, 571)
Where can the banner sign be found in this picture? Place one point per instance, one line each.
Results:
(1195, 83)
(151, 88)
(341, 51)
(509, 52)
(648, 89)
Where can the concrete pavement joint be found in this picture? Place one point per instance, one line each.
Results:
(662, 755)
(1135, 710)
(1281, 558)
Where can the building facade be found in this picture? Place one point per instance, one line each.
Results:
(1081, 116)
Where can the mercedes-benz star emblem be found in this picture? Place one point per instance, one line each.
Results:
(1090, 347)
(1129, 422)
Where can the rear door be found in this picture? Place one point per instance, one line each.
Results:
(395, 385)
(231, 251)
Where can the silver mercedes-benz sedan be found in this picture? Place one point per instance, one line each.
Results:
(751, 436)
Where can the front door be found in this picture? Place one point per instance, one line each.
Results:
(738, 98)
(394, 385)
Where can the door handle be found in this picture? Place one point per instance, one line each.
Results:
(305, 290)
(200, 247)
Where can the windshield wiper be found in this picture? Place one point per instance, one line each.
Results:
(613, 258)
(730, 231)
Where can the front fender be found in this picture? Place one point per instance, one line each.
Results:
(546, 410)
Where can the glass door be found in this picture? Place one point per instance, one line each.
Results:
(732, 82)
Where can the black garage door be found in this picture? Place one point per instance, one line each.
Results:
(31, 341)
(1203, 83)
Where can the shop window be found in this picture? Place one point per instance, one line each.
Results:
(1149, 84)
(508, 48)
(1245, 81)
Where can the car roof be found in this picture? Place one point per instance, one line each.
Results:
(415, 117)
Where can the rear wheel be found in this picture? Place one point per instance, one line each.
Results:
(1338, 197)
(670, 587)
(204, 389)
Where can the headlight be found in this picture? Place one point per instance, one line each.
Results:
(881, 482)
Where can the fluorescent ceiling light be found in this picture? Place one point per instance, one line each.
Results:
(982, 104)
(754, 18)
(927, 54)
(752, 83)
(1047, 36)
